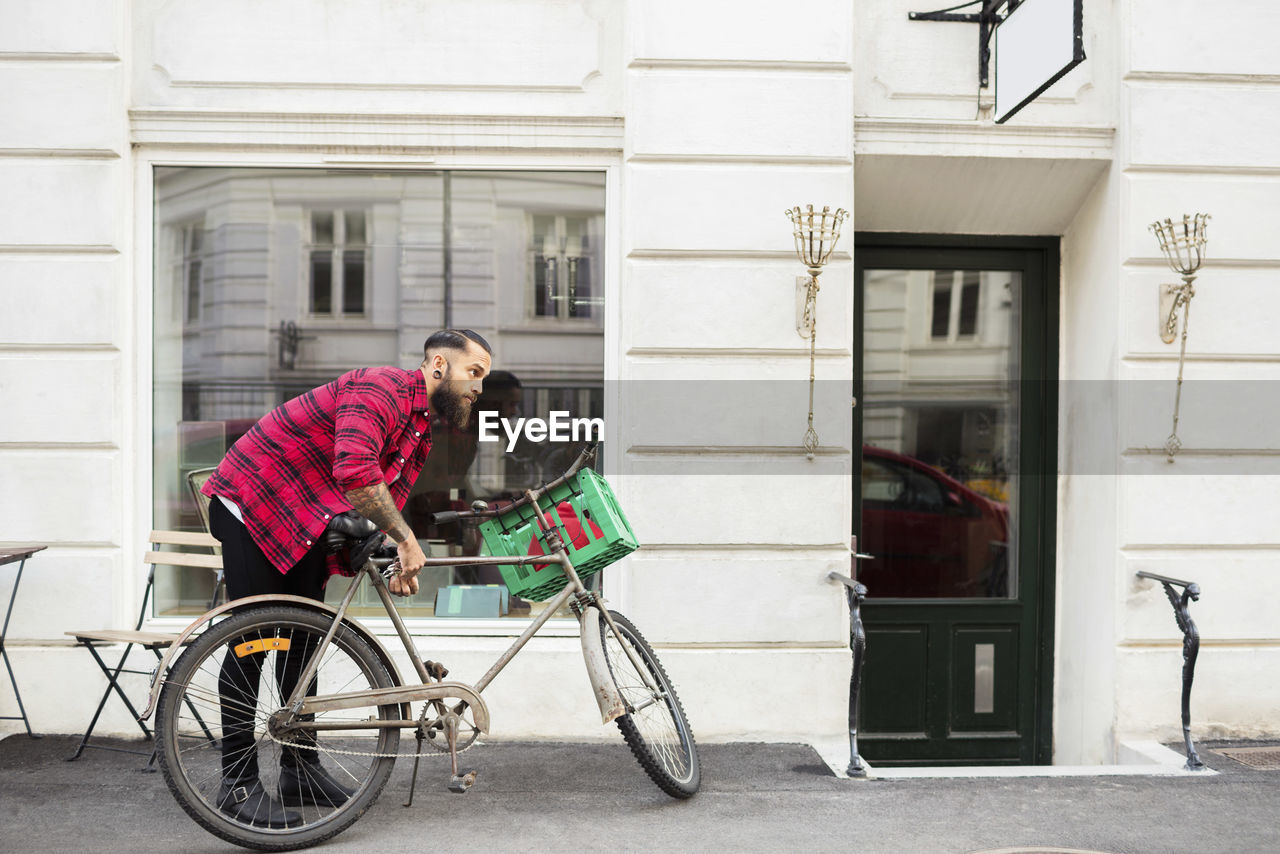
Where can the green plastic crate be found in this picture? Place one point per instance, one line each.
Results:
(590, 522)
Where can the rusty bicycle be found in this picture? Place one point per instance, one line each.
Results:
(322, 687)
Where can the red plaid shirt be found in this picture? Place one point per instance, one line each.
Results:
(290, 473)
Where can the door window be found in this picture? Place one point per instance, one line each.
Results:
(940, 410)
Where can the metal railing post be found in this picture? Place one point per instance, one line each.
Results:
(1190, 649)
(854, 594)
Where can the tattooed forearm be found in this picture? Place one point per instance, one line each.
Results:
(375, 504)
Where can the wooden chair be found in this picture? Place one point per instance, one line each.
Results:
(187, 543)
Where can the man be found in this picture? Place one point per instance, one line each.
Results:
(358, 443)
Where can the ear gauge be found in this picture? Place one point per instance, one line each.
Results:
(436, 373)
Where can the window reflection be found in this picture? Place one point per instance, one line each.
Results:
(306, 274)
(940, 423)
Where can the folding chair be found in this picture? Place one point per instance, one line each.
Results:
(155, 642)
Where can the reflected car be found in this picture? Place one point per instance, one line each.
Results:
(932, 536)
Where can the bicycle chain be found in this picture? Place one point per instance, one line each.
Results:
(436, 751)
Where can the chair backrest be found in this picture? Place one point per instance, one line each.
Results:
(189, 549)
(196, 481)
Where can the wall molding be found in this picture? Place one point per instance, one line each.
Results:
(379, 135)
(54, 56)
(330, 86)
(1208, 453)
(818, 550)
(1154, 356)
(742, 160)
(767, 65)
(982, 139)
(725, 255)
(735, 353)
(58, 249)
(1172, 644)
(1201, 169)
(59, 154)
(58, 544)
(61, 447)
(1201, 547)
(56, 349)
(753, 451)
(1185, 78)
(1150, 261)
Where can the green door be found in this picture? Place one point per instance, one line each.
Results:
(955, 342)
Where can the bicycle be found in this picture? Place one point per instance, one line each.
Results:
(338, 695)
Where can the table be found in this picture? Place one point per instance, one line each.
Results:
(18, 556)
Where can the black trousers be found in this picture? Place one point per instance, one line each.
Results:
(248, 573)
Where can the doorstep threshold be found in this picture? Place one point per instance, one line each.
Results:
(1137, 759)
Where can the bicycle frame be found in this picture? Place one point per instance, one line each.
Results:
(607, 695)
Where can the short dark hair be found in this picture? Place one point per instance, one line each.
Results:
(453, 339)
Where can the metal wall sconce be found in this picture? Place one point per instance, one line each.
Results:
(1183, 246)
(816, 233)
(289, 337)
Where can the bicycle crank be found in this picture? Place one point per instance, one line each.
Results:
(460, 783)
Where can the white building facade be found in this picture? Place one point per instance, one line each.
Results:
(598, 187)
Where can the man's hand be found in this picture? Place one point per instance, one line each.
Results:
(375, 504)
(411, 562)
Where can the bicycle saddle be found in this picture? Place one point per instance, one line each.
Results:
(351, 524)
(345, 527)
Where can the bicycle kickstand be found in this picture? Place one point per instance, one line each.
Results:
(417, 757)
(460, 782)
(438, 672)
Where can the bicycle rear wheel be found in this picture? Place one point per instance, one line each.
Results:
(655, 726)
(229, 683)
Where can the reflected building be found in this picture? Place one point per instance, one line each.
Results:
(272, 282)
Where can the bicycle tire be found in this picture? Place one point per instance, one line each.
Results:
(655, 727)
(188, 753)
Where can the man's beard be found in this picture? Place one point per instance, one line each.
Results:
(451, 406)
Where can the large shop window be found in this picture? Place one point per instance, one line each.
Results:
(270, 282)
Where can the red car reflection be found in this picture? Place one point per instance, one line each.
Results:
(931, 535)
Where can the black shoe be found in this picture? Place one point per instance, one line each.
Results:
(306, 783)
(247, 802)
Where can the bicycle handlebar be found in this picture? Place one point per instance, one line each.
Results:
(447, 516)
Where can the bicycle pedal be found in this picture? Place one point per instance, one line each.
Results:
(461, 782)
(437, 670)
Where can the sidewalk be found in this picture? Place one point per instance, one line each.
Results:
(594, 797)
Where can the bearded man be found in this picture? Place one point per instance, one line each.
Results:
(358, 443)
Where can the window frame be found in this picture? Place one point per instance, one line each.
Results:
(337, 266)
(153, 155)
(955, 302)
(191, 311)
(565, 302)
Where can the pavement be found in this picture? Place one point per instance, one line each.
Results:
(552, 796)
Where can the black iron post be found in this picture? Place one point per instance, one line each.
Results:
(854, 594)
(1190, 649)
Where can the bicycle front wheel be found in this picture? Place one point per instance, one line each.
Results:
(216, 739)
(655, 727)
